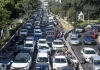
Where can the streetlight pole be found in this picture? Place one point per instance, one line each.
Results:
(88, 16)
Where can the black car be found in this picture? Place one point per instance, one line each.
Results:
(18, 40)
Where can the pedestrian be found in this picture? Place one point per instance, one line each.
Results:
(98, 49)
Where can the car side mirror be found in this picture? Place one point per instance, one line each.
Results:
(81, 52)
(11, 61)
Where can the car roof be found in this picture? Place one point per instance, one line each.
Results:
(60, 56)
(88, 48)
(42, 54)
(42, 40)
(57, 40)
(28, 42)
(96, 57)
(41, 64)
(22, 55)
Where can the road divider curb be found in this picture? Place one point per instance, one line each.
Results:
(70, 48)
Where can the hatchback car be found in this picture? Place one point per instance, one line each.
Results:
(22, 61)
(74, 40)
(23, 32)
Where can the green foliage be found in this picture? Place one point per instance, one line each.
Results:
(90, 8)
(13, 30)
(11, 9)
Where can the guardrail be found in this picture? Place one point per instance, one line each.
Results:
(7, 43)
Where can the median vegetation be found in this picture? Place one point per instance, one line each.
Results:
(71, 9)
(11, 10)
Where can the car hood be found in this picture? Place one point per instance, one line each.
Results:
(19, 65)
(90, 55)
(56, 65)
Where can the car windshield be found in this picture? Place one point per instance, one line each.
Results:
(28, 45)
(20, 60)
(89, 37)
(58, 43)
(97, 62)
(90, 52)
(24, 30)
(42, 68)
(43, 47)
(74, 39)
(42, 59)
(2, 58)
(37, 31)
(42, 42)
(60, 60)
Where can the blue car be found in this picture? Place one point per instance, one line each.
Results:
(66, 68)
(42, 66)
(95, 28)
(5, 58)
(49, 39)
(89, 40)
(37, 36)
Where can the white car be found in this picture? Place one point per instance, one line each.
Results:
(57, 44)
(59, 61)
(42, 57)
(87, 53)
(22, 61)
(94, 63)
(42, 42)
(74, 40)
(44, 48)
(24, 32)
(29, 45)
(37, 31)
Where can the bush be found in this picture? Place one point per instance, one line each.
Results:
(13, 30)
(82, 24)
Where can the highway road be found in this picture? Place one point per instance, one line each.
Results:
(77, 49)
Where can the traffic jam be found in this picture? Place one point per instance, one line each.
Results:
(85, 43)
(38, 45)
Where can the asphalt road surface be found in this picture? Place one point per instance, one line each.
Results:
(77, 49)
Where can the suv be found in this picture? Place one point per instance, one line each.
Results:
(42, 57)
(57, 44)
(59, 61)
(87, 53)
(94, 63)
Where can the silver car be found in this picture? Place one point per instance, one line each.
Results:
(74, 40)
(94, 63)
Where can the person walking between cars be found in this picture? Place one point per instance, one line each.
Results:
(98, 49)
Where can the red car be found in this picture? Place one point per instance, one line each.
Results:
(93, 34)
